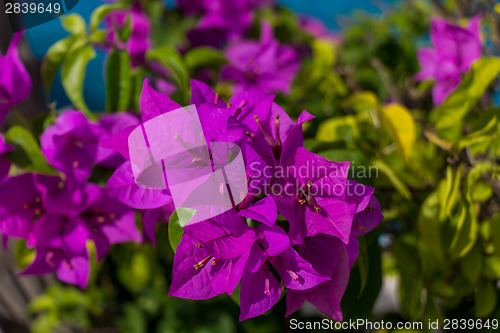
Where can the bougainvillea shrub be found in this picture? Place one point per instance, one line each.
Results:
(369, 156)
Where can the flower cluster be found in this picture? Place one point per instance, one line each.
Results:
(15, 83)
(138, 42)
(295, 229)
(15, 86)
(264, 65)
(309, 249)
(220, 20)
(58, 214)
(455, 49)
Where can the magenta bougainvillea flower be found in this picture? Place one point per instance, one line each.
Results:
(71, 145)
(455, 49)
(264, 65)
(60, 243)
(214, 250)
(15, 82)
(111, 125)
(308, 254)
(259, 288)
(4, 164)
(290, 219)
(312, 252)
(325, 202)
(59, 214)
(107, 220)
(140, 28)
(57, 220)
(328, 256)
(20, 205)
(331, 257)
(220, 20)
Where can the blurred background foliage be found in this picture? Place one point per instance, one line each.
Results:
(436, 168)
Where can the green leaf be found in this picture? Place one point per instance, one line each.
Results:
(52, 61)
(361, 101)
(429, 225)
(134, 320)
(22, 254)
(118, 81)
(410, 294)
(98, 37)
(486, 299)
(100, 13)
(137, 273)
(43, 302)
(67, 296)
(356, 157)
(487, 133)
(478, 188)
(204, 56)
(235, 296)
(171, 59)
(175, 231)
(466, 232)
(21, 137)
(471, 265)
(363, 264)
(323, 58)
(178, 220)
(74, 24)
(73, 75)
(46, 323)
(449, 116)
(495, 232)
(491, 268)
(393, 178)
(401, 127)
(448, 192)
(339, 129)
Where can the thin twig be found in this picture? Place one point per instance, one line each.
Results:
(384, 76)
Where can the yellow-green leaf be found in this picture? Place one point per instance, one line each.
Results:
(466, 232)
(175, 231)
(361, 101)
(73, 74)
(339, 129)
(52, 61)
(100, 12)
(23, 138)
(401, 127)
(487, 133)
(74, 24)
(448, 190)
